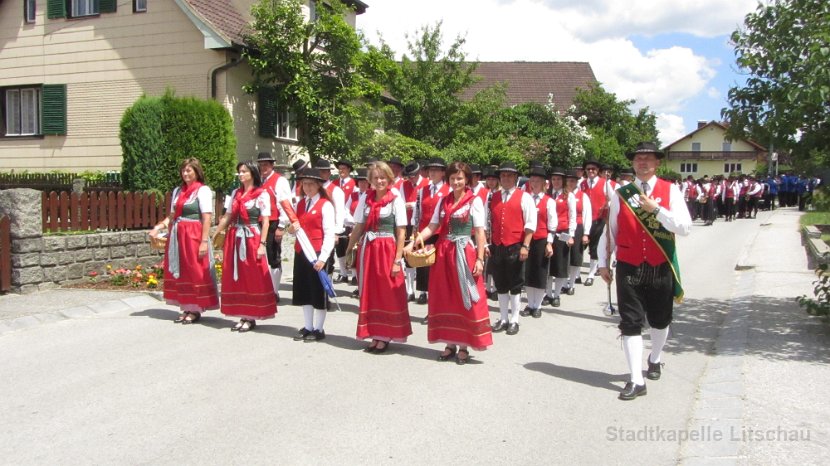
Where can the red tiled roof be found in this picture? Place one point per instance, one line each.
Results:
(533, 81)
(223, 16)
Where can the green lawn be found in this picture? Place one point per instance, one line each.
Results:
(816, 218)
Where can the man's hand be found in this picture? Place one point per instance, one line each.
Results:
(606, 274)
(648, 203)
(523, 253)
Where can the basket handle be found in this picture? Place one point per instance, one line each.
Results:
(418, 238)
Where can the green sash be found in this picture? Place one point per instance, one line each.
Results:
(663, 239)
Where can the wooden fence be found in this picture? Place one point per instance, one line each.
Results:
(5, 255)
(112, 211)
(58, 181)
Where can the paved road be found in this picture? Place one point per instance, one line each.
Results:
(128, 386)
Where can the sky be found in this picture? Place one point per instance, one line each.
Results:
(672, 56)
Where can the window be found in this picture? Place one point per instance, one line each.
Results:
(731, 167)
(286, 126)
(139, 6)
(695, 147)
(33, 110)
(84, 8)
(275, 118)
(688, 168)
(727, 147)
(312, 11)
(29, 10)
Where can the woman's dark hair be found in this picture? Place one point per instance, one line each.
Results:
(457, 167)
(196, 166)
(253, 167)
(322, 191)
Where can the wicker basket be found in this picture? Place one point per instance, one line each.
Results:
(423, 257)
(159, 243)
(219, 240)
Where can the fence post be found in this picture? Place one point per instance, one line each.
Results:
(24, 208)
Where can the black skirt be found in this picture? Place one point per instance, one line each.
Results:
(307, 289)
(561, 258)
(536, 266)
(577, 250)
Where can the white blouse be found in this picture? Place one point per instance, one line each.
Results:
(475, 208)
(204, 196)
(396, 207)
(263, 202)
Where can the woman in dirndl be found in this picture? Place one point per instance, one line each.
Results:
(458, 312)
(380, 226)
(315, 214)
(247, 290)
(189, 278)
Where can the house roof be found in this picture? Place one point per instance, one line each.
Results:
(720, 124)
(533, 81)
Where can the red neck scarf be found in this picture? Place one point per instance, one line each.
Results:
(184, 194)
(449, 209)
(238, 209)
(375, 206)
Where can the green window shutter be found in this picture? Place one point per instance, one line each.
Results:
(267, 109)
(55, 9)
(108, 6)
(54, 108)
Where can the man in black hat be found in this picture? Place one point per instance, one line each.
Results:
(338, 198)
(413, 183)
(278, 190)
(512, 223)
(296, 188)
(396, 165)
(351, 206)
(491, 183)
(598, 190)
(429, 197)
(347, 184)
(644, 218)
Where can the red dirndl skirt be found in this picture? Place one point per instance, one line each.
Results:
(251, 296)
(194, 290)
(449, 322)
(384, 312)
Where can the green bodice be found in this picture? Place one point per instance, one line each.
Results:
(191, 210)
(387, 224)
(460, 226)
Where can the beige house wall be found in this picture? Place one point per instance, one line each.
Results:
(713, 167)
(711, 138)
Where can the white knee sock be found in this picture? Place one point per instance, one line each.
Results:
(560, 282)
(549, 289)
(308, 317)
(276, 275)
(410, 280)
(573, 272)
(658, 340)
(319, 318)
(594, 266)
(633, 346)
(490, 286)
(535, 297)
(341, 267)
(530, 293)
(515, 302)
(504, 305)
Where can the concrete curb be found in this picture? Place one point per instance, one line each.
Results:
(80, 312)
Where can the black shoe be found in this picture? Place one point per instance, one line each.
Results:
(564, 290)
(238, 326)
(251, 324)
(537, 313)
(555, 301)
(578, 280)
(571, 291)
(444, 356)
(499, 326)
(379, 350)
(546, 300)
(422, 299)
(315, 335)
(277, 298)
(589, 281)
(512, 329)
(300, 336)
(191, 318)
(461, 361)
(653, 372)
(356, 294)
(344, 279)
(632, 391)
(425, 321)
(492, 296)
(354, 281)
(411, 298)
(526, 311)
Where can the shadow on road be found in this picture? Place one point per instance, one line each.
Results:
(583, 376)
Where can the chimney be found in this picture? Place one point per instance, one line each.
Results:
(701, 123)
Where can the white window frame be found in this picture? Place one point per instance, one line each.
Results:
(30, 10)
(732, 167)
(286, 125)
(23, 111)
(695, 147)
(80, 8)
(688, 167)
(139, 6)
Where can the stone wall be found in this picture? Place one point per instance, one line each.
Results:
(44, 261)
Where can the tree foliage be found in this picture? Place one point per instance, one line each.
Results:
(385, 146)
(613, 127)
(784, 47)
(319, 69)
(158, 133)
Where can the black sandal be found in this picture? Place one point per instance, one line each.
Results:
(238, 326)
(381, 350)
(447, 356)
(372, 347)
(181, 318)
(463, 361)
(251, 325)
(191, 318)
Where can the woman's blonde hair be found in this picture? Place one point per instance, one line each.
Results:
(382, 168)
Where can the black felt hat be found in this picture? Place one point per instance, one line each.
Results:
(475, 169)
(361, 173)
(507, 167)
(395, 161)
(411, 169)
(322, 164)
(310, 174)
(591, 162)
(265, 157)
(646, 148)
(346, 163)
(436, 162)
(537, 171)
(299, 165)
(557, 171)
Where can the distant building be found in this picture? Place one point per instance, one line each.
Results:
(707, 151)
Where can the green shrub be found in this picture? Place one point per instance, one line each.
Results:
(158, 133)
(821, 290)
(385, 146)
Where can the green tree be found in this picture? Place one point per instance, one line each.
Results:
(385, 146)
(784, 48)
(319, 69)
(427, 87)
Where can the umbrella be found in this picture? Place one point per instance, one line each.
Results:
(609, 309)
(308, 251)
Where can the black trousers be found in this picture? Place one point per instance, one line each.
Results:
(593, 237)
(508, 270)
(273, 248)
(645, 294)
(342, 243)
(536, 266)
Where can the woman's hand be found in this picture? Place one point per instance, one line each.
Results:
(294, 227)
(586, 239)
(408, 248)
(396, 268)
(154, 233)
(260, 251)
(570, 241)
(318, 266)
(548, 250)
(478, 268)
(203, 248)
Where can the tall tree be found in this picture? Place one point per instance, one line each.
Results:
(318, 69)
(427, 87)
(784, 47)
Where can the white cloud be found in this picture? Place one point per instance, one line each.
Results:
(714, 93)
(670, 127)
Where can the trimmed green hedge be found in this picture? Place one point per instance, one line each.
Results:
(158, 133)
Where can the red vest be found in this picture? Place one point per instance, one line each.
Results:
(634, 246)
(482, 193)
(692, 190)
(596, 195)
(428, 203)
(270, 185)
(541, 218)
(562, 212)
(311, 223)
(347, 187)
(578, 195)
(730, 190)
(355, 199)
(409, 192)
(507, 221)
